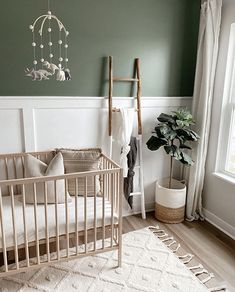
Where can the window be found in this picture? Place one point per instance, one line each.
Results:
(225, 164)
(230, 161)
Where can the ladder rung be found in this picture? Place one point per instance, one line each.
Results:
(135, 194)
(125, 79)
(137, 166)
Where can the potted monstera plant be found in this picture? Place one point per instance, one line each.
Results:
(173, 133)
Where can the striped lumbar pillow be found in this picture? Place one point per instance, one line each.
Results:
(81, 160)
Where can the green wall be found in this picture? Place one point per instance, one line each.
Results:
(163, 33)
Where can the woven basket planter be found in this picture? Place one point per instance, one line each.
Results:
(170, 203)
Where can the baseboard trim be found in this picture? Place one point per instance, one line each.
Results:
(149, 207)
(219, 223)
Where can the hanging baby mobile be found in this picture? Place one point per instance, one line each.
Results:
(50, 49)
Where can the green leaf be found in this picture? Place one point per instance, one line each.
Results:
(169, 149)
(167, 132)
(173, 151)
(183, 146)
(164, 118)
(177, 155)
(184, 115)
(186, 135)
(186, 159)
(194, 134)
(154, 143)
(182, 124)
(158, 131)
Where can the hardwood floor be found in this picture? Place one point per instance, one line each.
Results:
(211, 247)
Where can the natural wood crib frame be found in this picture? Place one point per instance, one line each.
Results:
(111, 178)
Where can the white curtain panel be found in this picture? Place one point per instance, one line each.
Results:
(207, 56)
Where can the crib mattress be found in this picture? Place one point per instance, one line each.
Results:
(30, 221)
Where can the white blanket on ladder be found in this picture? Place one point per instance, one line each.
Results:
(124, 127)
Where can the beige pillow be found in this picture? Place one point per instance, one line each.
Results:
(36, 168)
(79, 161)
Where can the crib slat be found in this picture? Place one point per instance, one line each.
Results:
(109, 185)
(46, 223)
(25, 228)
(6, 168)
(67, 217)
(116, 192)
(22, 163)
(14, 226)
(103, 209)
(14, 164)
(120, 218)
(7, 171)
(3, 233)
(85, 215)
(56, 222)
(111, 199)
(36, 221)
(76, 214)
(116, 204)
(15, 171)
(95, 216)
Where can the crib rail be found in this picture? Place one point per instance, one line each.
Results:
(95, 228)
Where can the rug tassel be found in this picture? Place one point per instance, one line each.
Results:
(196, 267)
(188, 261)
(184, 256)
(218, 288)
(168, 238)
(211, 275)
(189, 256)
(170, 244)
(162, 235)
(176, 249)
(159, 232)
(154, 227)
(203, 271)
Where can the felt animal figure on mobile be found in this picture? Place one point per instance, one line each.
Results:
(60, 75)
(50, 66)
(45, 72)
(36, 74)
(67, 74)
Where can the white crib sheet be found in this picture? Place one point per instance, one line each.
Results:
(30, 221)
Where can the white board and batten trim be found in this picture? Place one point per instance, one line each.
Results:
(29, 110)
(42, 123)
(219, 223)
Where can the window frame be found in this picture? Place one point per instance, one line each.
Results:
(227, 114)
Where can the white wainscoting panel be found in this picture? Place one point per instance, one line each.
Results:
(42, 123)
(11, 129)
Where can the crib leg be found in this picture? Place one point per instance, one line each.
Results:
(120, 256)
(120, 243)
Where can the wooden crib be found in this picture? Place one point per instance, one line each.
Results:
(41, 234)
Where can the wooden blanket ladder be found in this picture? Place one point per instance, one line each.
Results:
(136, 80)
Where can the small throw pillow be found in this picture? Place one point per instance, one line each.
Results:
(79, 161)
(36, 168)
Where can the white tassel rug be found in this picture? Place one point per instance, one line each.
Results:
(148, 265)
